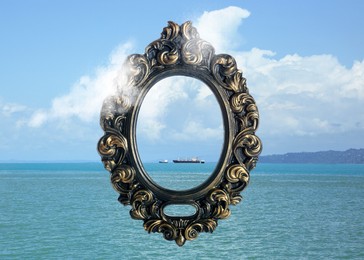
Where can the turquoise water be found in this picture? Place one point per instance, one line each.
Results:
(70, 211)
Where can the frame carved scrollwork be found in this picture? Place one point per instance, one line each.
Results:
(180, 52)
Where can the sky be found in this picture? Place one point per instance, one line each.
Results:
(303, 61)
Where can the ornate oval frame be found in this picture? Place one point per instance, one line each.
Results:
(180, 52)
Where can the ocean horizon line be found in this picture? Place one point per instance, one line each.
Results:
(348, 156)
(100, 163)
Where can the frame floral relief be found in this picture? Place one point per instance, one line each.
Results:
(180, 52)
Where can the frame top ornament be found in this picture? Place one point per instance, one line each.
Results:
(180, 52)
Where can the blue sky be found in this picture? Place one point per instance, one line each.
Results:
(303, 60)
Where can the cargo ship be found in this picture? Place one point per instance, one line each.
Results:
(192, 160)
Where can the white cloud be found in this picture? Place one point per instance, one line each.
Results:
(85, 98)
(304, 95)
(218, 27)
(178, 105)
(197, 131)
(296, 95)
(38, 118)
(8, 109)
(154, 107)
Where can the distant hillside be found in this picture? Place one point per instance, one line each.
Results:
(348, 156)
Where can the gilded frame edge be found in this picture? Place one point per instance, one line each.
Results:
(180, 51)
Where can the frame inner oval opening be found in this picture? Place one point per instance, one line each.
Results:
(179, 132)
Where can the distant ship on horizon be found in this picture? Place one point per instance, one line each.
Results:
(192, 160)
(163, 161)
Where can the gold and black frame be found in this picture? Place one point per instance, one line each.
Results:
(180, 52)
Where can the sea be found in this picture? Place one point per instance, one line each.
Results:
(289, 211)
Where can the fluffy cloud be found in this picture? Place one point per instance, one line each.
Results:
(220, 27)
(304, 95)
(8, 109)
(85, 98)
(151, 119)
(180, 108)
(299, 96)
(196, 131)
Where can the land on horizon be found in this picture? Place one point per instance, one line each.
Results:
(350, 156)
